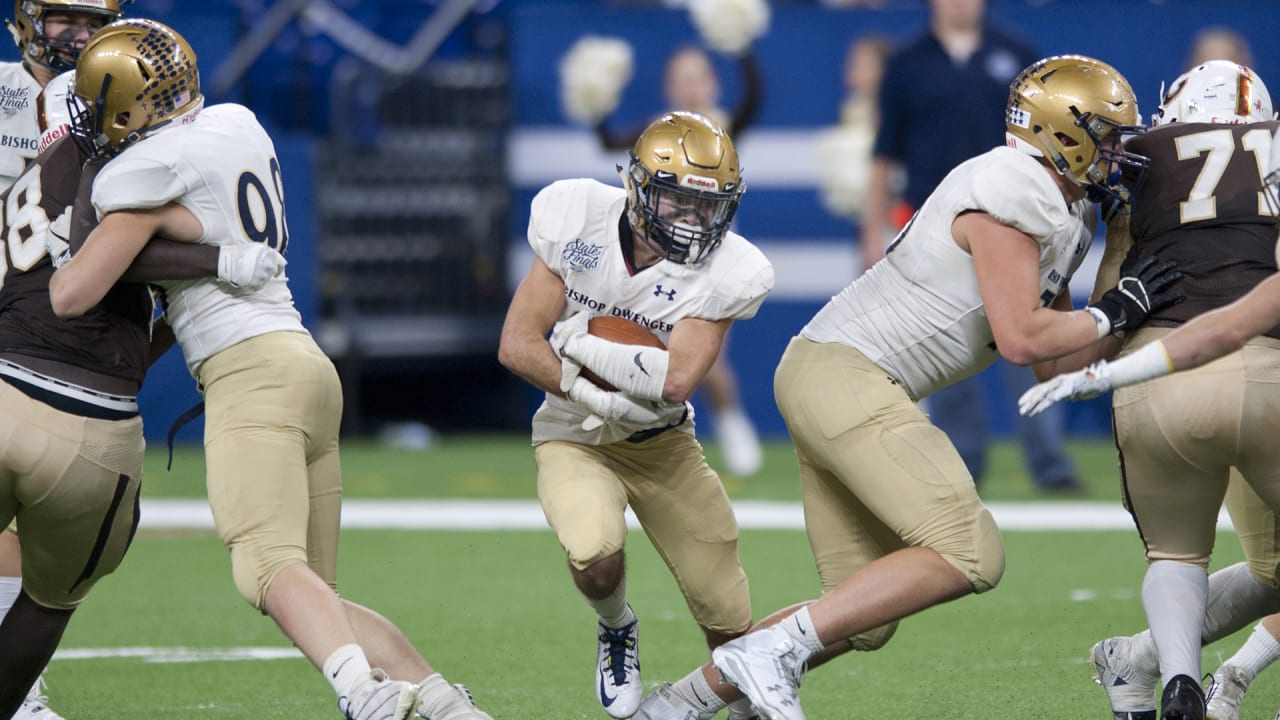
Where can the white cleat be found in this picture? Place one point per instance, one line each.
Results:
(766, 666)
(378, 697)
(456, 704)
(743, 455)
(667, 704)
(36, 706)
(1227, 692)
(618, 685)
(1131, 690)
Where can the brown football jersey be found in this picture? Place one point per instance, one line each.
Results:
(1202, 206)
(111, 339)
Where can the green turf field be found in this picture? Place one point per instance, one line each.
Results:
(496, 609)
(502, 467)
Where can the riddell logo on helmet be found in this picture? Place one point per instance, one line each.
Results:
(700, 182)
(95, 3)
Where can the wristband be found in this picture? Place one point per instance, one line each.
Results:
(1099, 317)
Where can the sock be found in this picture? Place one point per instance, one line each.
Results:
(613, 609)
(346, 667)
(1174, 595)
(9, 589)
(694, 689)
(1257, 653)
(800, 627)
(1236, 598)
(1142, 654)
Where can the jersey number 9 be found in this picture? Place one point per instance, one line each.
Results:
(261, 211)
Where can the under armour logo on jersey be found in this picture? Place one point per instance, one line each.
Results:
(659, 292)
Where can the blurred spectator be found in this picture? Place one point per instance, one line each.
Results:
(690, 83)
(935, 110)
(844, 151)
(1219, 43)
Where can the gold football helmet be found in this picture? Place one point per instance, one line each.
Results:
(1075, 111)
(133, 78)
(58, 55)
(683, 186)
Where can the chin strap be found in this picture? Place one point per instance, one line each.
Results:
(636, 370)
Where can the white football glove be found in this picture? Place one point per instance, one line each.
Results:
(1079, 385)
(55, 242)
(620, 409)
(248, 265)
(561, 334)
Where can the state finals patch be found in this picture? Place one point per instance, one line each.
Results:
(581, 256)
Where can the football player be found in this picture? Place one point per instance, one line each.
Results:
(1179, 437)
(49, 34)
(657, 251)
(70, 436)
(893, 518)
(273, 402)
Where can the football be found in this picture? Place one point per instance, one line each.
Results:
(619, 330)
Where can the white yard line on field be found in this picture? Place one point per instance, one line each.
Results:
(527, 515)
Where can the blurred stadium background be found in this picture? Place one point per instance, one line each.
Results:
(413, 134)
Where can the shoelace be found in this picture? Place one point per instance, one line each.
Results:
(1210, 685)
(621, 649)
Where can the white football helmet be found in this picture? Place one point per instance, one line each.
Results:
(1216, 91)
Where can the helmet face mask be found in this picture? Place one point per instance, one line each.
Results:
(683, 187)
(133, 78)
(1076, 111)
(57, 53)
(1216, 91)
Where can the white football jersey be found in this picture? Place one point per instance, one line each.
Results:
(573, 228)
(220, 165)
(20, 109)
(918, 313)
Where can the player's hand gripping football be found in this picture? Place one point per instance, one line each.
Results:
(1079, 385)
(564, 331)
(248, 265)
(1143, 289)
(620, 409)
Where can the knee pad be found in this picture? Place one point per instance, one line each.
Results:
(874, 639)
(253, 569)
(978, 552)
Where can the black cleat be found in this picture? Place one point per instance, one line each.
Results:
(1182, 699)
